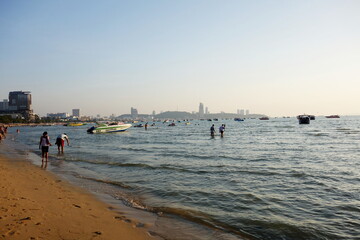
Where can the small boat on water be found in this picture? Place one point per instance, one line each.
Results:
(311, 117)
(333, 116)
(109, 128)
(238, 119)
(74, 124)
(264, 118)
(304, 119)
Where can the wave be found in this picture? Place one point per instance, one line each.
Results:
(115, 183)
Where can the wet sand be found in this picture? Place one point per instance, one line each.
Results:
(35, 204)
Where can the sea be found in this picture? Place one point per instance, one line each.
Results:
(264, 179)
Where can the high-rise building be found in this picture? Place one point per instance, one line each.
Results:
(247, 112)
(154, 113)
(20, 101)
(206, 110)
(76, 112)
(134, 112)
(4, 105)
(201, 110)
(241, 112)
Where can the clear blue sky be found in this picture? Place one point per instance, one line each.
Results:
(271, 57)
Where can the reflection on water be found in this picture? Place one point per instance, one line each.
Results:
(271, 179)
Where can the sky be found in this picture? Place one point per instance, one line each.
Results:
(279, 58)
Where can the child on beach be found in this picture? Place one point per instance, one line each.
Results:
(44, 146)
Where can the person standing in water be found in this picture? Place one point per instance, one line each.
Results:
(60, 141)
(212, 130)
(44, 146)
(222, 130)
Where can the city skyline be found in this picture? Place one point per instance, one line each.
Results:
(277, 58)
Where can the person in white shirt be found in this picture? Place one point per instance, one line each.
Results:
(60, 141)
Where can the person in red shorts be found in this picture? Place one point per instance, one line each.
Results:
(60, 141)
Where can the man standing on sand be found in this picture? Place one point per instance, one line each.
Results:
(44, 146)
(60, 141)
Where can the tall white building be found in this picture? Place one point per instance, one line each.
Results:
(247, 112)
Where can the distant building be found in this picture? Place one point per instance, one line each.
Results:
(57, 115)
(154, 113)
(207, 110)
(19, 103)
(4, 105)
(242, 111)
(134, 112)
(76, 113)
(201, 109)
(247, 112)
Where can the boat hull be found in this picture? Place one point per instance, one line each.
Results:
(109, 128)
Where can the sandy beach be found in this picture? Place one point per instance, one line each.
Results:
(35, 204)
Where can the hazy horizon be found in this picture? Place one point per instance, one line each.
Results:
(279, 58)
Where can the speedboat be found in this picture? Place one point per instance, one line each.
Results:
(238, 119)
(333, 116)
(264, 118)
(108, 128)
(74, 124)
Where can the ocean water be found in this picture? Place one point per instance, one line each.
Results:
(271, 179)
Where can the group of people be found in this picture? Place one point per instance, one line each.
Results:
(221, 130)
(45, 143)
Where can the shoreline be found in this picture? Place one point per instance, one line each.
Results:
(36, 204)
(160, 224)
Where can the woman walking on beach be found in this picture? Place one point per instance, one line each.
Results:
(44, 145)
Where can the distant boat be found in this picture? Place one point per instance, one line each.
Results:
(74, 124)
(333, 116)
(109, 128)
(304, 119)
(264, 118)
(312, 117)
(238, 119)
(171, 125)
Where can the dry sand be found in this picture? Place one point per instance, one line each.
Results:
(35, 204)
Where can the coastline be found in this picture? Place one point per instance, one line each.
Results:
(35, 204)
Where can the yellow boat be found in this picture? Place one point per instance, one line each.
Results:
(75, 124)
